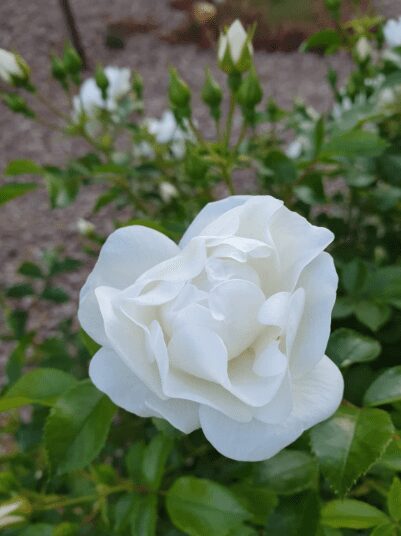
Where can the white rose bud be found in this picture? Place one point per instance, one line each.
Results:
(12, 66)
(167, 191)
(235, 49)
(226, 331)
(392, 32)
(85, 227)
(363, 49)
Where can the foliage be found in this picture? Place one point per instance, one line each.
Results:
(73, 457)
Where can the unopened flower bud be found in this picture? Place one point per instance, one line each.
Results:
(85, 227)
(178, 91)
(18, 105)
(250, 92)
(211, 91)
(13, 68)
(72, 62)
(363, 49)
(235, 51)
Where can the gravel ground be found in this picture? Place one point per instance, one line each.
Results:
(35, 29)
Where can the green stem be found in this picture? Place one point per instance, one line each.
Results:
(229, 123)
(244, 130)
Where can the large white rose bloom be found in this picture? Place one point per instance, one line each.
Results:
(392, 32)
(225, 331)
(90, 101)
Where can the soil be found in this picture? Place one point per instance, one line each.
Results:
(28, 225)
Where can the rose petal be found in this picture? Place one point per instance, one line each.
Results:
(319, 281)
(316, 397)
(209, 213)
(126, 254)
(297, 243)
(119, 383)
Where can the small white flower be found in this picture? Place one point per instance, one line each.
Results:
(235, 50)
(294, 149)
(166, 131)
(167, 191)
(392, 32)
(11, 65)
(226, 331)
(90, 102)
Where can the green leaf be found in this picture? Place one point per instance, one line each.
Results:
(386, 389)
(154, 460)
(348, 444)
(394, 499)
(347, 347)
(55, 294)
(77, 427)
(352, 514)
(198, 507)
(289, 472)
(89, 343)
(328, 40)
(295, 516)
(280, 167)
(30, 269)
(134, 461)
(373, 315)
(353, 276)
(22, 167)
(387, 529)
(259, 500)
(143, 519)
(38, 529)
(354, 144)
(12, 190)
(20, 290)
(391, 458)
(40, 386)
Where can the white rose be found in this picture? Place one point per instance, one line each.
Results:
(11, 65)
(235, 49)
(165, 130)
(90, 101)
(225, 331)
(392, 32)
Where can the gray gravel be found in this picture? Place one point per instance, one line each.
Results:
(35, 29)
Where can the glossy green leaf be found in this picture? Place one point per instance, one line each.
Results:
(289, 472)
(154, 460)
(198, 507)
(280, 167)
(348, 443)
(297, 515)
(22, 167)
(387, 529)
(259, 500)
(325, 39)
(371, 314)
(77, 427)
(386, 389)
(391, 458)
(37, 529)
(20, 290)
(143, 518)
(352, 514)
(30, 269)
(55, 294)
(12, 190)
(347, 347)
(354, 144)
(394, 499)
(89, 343)
(40, 386)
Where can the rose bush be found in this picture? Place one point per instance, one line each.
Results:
(226, 331)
